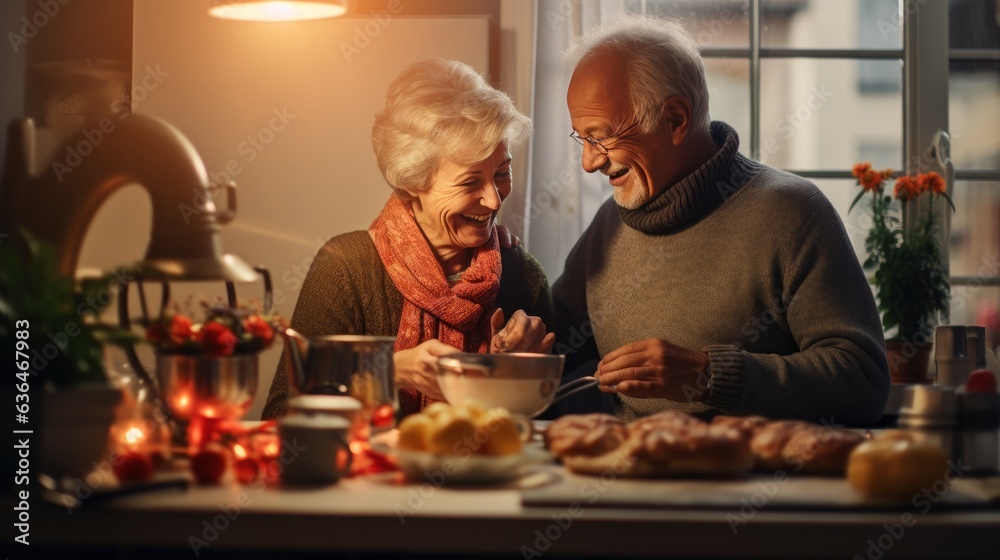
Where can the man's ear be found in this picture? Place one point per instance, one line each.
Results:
(676, 117)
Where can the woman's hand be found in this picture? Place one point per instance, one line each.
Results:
(523, 333)
(417, 367)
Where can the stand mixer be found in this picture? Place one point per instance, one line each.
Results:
(58, 202)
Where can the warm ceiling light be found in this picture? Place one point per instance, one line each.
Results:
(277, 10)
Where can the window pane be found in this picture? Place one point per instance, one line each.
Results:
(974, 119)
(713, 23)
(974, 24)
(977, 305)
(974, 246)
(729, 95)
(826, 24)
(974, 85)
(974, 250)
(814, 116)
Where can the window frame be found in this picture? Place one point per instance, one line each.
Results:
(925, 57)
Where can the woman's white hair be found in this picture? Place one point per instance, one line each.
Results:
(438, 109)
(663, 60)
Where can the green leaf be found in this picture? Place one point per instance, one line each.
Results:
(950, 203)
(856, 200)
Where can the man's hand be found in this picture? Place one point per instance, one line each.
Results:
(523, 333)
(417, 367)
(506, 238)
(655, 368)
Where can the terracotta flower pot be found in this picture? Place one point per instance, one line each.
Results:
(908, 363)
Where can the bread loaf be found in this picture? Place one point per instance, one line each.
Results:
(896, 466)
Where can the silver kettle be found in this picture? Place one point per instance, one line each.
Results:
(353, 365)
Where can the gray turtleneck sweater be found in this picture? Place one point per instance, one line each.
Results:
(747, 263)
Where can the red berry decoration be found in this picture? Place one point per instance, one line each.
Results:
(383, 416)
(180, 329)
(246, 470)
(981, 381)
(257, 327)
(218, 339)
(133, 466)
(209, 464)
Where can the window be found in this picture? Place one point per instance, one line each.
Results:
(814, 86)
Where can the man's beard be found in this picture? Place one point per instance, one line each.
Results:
(631, 195)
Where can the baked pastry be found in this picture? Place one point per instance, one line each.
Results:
(673, 443)
(747, 425)
(768, 444)
(897, 466)
(584, 434)
(668, 419)
(820, 450)
(666, 444)
(446, 430)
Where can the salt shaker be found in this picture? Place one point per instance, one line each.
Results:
(930, 411)
(979, 423)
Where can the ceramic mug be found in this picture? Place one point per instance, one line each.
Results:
(318, 449)
(348, 408)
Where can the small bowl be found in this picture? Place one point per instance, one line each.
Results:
(523, 383)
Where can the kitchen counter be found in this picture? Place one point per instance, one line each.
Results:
(383, 514)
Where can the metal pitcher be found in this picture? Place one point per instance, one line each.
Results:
(353, 365)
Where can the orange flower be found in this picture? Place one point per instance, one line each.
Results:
(932, 182)
(906, 188)
(870, 179)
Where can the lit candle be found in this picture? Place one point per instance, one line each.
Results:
(134, 438)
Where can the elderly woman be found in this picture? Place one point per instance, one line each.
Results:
(430, 270)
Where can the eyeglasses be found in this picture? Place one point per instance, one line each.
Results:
(598, 143)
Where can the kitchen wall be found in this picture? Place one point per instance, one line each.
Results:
(285, 111)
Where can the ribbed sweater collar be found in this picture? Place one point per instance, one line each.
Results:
(699, 193)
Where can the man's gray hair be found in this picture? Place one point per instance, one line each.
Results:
(663, 60)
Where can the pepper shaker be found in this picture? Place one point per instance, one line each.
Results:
(979, 423)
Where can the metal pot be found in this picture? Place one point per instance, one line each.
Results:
(207, 386)
(353, 365)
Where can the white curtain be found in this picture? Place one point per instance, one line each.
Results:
(560, 198)
(517, 77)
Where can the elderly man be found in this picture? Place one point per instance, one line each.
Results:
(710, 283)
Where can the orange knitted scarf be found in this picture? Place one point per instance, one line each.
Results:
(457, 315)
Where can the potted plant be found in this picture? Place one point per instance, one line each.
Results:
(906, 265)
(49, 321)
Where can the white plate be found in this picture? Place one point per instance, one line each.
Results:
(470, 469)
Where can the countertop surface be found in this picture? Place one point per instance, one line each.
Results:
(546, 511)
